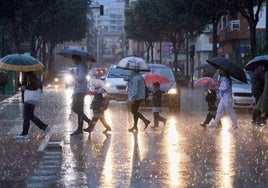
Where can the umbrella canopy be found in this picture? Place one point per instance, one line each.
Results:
(20, 62)
(204, 66)
(133, 63)
(150, 78)
(229, 66)
(256, 61)
(70, 52)
(208, 83)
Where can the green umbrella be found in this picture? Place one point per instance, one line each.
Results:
(20, 62)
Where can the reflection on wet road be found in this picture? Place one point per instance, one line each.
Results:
(181, 154)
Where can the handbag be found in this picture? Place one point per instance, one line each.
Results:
(32, 96)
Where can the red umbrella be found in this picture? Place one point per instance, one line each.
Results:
(150, 78)
(208, 82)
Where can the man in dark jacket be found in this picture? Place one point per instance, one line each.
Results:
(257, 77)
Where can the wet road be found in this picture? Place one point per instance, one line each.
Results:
(181, 154)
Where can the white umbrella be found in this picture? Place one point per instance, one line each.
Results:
(133, 63)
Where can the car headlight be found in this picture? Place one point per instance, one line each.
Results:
(173, 91)
(108, 85)
(88, 77)
(68, 78)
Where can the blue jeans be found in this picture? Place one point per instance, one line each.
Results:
(28, 114)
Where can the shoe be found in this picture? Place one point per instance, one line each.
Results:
(107, 130)
(164, 122)
(77, 132)
(213, 127)
(203, 125)
(255, 122)
(22, 137)
(89, 129)
(147, 122)
(234, 127)
(47, 130)
(261, 123)
(155, 126)
(133, 129)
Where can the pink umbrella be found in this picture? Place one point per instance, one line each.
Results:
(150, 78)
(208, 82)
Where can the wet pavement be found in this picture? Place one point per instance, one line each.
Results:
(181, 154)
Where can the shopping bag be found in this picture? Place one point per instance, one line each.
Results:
(32, 96)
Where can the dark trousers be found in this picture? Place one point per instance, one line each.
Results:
(256, 115)
(136, 115)
(158, 118)
(78, 108)
(28, 114)
(2, 88)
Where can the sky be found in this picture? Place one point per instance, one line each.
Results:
(105, 2)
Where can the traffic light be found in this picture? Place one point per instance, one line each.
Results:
(101, 10)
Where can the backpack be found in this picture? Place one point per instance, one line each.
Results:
(105, 103)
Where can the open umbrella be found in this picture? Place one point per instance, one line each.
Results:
(208, 83)
(256, 61)
(70, 52)
(150, 78)
(20, 62)
(133, 63)
(229, 66)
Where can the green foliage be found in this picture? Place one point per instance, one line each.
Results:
(50, 21)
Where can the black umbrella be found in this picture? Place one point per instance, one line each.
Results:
(70, 52)
(256, 61)
(229, 66)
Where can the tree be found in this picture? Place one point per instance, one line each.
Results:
(65, 22)
(210, 11)
(180, 22)
(40, 23)
(143, 24)
(250, 9)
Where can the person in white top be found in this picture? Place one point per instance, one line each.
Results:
(226, 100)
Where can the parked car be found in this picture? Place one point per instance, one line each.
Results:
(116, 85)
(242, 94)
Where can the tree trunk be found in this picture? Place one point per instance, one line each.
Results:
(253, 42)
(152, 52)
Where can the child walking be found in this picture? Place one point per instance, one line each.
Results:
(98, 106)
(157, 105)
(211, 98)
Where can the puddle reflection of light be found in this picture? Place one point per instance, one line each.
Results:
(173, 154)
(68, 102)
(107, 172)
(226, 157)
(108, 167)
(108, 116)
